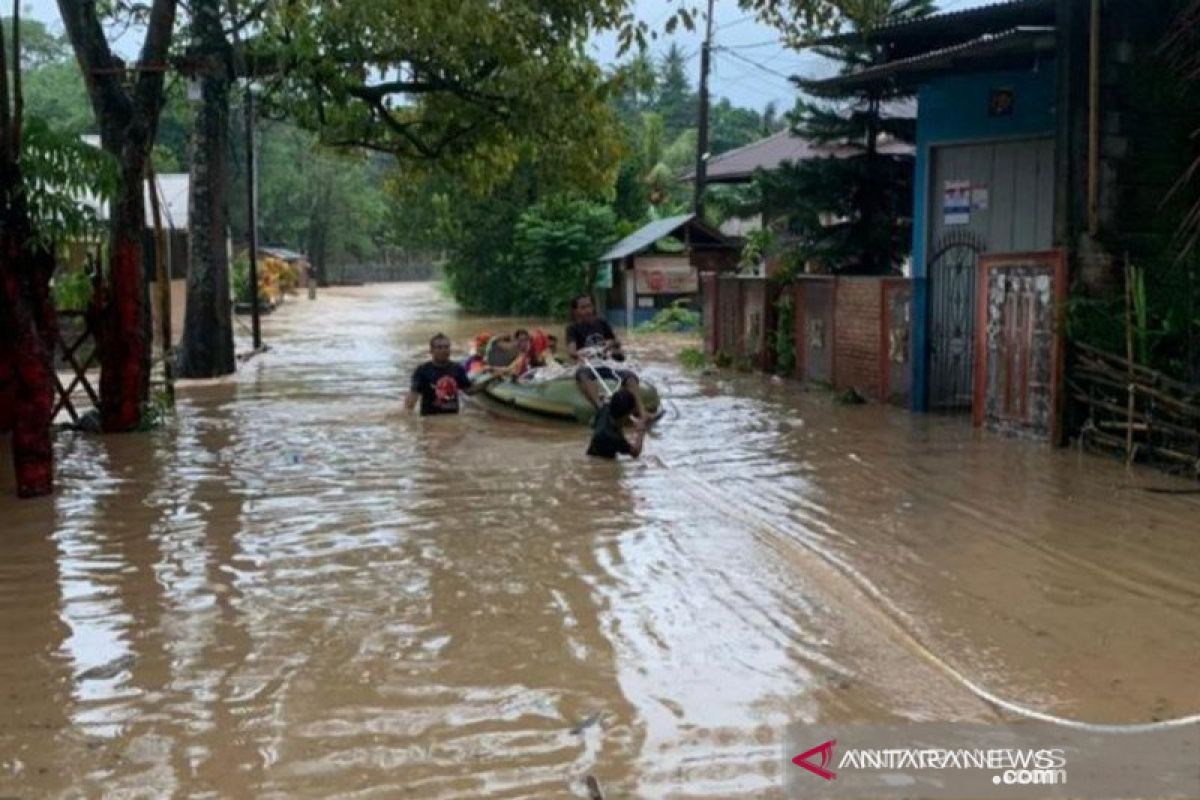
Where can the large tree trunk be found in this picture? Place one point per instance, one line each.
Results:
(127, 106)
(207, 347)
(125, 328)
(27, 321)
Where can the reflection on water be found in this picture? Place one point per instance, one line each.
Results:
(296, 590)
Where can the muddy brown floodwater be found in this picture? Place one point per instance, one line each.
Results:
(295, 590)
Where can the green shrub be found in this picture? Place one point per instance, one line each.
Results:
(72, 290)
(676, 317)
(692, 358)
(239, 279)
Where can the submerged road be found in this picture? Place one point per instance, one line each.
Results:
(295, 590)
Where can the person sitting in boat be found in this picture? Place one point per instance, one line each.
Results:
(437, 383)
(608, 430)
(551, 354)
(589, 332)
(523, 362)
(474, 362)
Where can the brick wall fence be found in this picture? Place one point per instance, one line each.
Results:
(848, 332)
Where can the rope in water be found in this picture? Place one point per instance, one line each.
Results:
(906, 628)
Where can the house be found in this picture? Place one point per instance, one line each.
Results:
(1030, 123)
(739, 166)
(658, 265)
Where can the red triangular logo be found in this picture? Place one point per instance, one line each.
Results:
(826, 751)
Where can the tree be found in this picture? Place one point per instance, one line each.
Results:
(674, 99)
(127, 114)
(867, 192)
(41, 175)
(470, 91)
(38, 45)
(206, 348)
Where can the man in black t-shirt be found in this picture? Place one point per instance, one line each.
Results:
(587, 331)
(438, 382)
(608, 435)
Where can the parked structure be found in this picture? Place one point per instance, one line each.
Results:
(658, 265)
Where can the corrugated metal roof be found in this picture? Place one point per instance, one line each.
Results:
(768, 154)
(645, 236)
(965, 22)
(282, 253)
(1015, 40)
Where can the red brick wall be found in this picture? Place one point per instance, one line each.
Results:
(857, 335)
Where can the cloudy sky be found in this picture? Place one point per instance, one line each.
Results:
(749, 66)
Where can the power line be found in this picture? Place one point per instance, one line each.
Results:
(738, 21)
(756, 64)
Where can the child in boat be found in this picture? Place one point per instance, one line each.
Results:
(608, 431)
(524, 358)
(474, 362)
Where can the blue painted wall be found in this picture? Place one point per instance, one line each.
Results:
(954, 110)
(616, 316)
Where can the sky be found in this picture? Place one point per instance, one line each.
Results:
(749, 64)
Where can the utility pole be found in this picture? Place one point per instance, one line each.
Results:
(252, 213)
(702, 137)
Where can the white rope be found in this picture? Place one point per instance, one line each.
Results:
(905, 626)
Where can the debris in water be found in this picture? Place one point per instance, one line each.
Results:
(107, 671)
(593, 787)
(586, 723)
(851, 397)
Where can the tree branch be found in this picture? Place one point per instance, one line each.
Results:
(252, 15)
(96, 60)
(154, 51)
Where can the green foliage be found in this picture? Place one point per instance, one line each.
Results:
(327, 203)
(239, 278)
(757, 248)
(692, 358)
(784, 339)
(676, 317)
(38, 45)
(58, 170)
(72, 290)
(851, 213)
(556, 243)
(509, 260)
(473, 90)
(1165, 306)
(155, 412)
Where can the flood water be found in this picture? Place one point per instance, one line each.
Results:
(296, 590)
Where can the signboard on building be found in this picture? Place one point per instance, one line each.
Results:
(666, 275)
(956, 203)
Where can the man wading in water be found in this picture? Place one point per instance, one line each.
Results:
(438, 382)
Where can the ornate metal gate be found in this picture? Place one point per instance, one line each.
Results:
(952, 321)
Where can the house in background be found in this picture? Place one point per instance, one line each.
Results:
(738, 167)
(1030, 124)
(658, 265)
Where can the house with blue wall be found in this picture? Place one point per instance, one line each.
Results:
(1024, 133)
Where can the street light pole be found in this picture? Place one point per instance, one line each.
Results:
(252, 214)
(702, 137)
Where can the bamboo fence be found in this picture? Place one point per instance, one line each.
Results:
(1123, 408)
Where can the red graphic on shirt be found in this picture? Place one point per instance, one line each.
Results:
(445, 392)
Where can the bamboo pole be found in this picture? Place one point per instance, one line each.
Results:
(162, 279)
(1129, 357)
(1093, 162)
